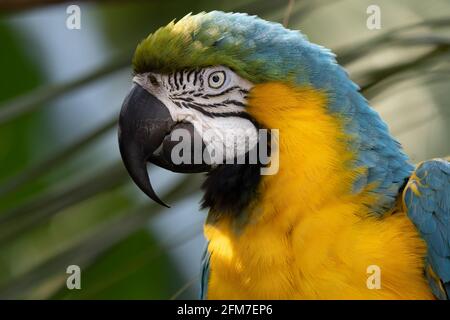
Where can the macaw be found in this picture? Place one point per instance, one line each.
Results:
(345, 198)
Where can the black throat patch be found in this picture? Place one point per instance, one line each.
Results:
(230, 188)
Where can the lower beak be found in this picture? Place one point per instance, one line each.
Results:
(145, 127)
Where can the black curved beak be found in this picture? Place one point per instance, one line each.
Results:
(145, 125)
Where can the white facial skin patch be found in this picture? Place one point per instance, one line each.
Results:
(213, 100)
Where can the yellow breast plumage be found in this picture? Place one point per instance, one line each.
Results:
(307, 236)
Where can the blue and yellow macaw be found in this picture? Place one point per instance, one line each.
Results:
(345, 197)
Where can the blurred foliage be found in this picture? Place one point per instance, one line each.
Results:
(130, 275)
(68, 201)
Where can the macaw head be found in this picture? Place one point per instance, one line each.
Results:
(216, 79)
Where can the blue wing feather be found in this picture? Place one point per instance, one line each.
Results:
(204, 276)
(427, 201)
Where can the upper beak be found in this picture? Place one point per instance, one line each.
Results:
(145, 125)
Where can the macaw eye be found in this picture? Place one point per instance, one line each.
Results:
(216, 79)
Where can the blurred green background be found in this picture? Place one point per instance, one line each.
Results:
(65, 198)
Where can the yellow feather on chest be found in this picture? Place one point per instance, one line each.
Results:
(306, 236)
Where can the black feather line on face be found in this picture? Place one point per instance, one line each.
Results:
(211, 95)
(180, 79)
(196, 77)
(200, 108)
(234, 103)
(202, 72)
(175, 79)
(189, 75)
(181, 98)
